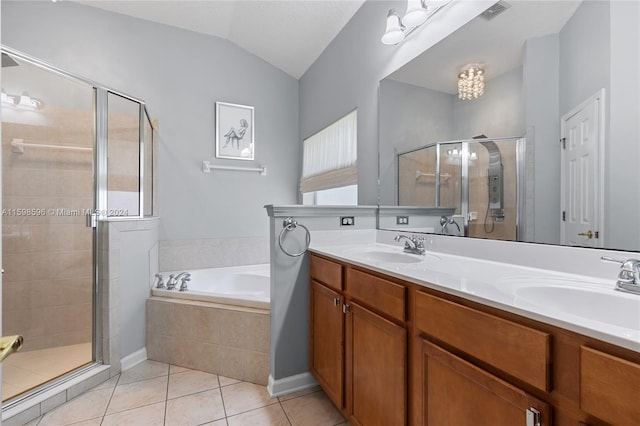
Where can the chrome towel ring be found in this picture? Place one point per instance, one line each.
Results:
(290, 224)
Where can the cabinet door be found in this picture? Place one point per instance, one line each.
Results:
(326, 353)
(459, 393)
(376, 369)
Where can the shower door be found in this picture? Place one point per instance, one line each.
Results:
(48, 187)
(480, 178)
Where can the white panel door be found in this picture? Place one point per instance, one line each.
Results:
(580, 176)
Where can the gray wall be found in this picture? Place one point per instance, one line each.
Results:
(622, 200)
(410, 116)
(584, 54)
(348, 72)
(497, 113)
(542, 116)
(180, 74)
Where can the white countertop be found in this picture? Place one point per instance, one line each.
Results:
(578, 303)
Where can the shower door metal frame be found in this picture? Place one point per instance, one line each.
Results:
(99, 219)
(520, 142)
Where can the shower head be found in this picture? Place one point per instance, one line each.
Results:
(7, 61)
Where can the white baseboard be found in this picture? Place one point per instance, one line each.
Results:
(290, 384)
(133, 359)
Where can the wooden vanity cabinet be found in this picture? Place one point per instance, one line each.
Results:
(609, 387)
(360, 359)
(326, 354)
(376, 369)
(326, 327)
(456, 392)
(389, 352)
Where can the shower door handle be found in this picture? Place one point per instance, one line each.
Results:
(9, 345)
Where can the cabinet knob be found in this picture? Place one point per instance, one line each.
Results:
(336, 301)
(346, 308)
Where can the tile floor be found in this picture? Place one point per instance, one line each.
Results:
(154, 393)
(25, 370)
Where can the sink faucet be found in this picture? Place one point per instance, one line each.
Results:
(173, 280)
(629, 275)
(413, 244)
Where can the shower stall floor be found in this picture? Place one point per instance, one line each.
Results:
(25, 370)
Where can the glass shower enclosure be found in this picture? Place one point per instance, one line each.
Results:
(74, 155)
(481, 178)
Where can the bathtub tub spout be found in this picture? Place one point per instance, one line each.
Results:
(173, 280)
(183, 283)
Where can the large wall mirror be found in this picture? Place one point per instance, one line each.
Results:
(525, 123)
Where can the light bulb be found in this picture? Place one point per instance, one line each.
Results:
(393, 34)
(416, 14)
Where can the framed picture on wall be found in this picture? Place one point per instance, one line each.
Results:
(234, 131)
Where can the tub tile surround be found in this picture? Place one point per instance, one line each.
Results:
(212, 253)
(219, 339)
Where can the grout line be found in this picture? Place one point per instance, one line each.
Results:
(113, 391)
(285, 412)
(224, 407)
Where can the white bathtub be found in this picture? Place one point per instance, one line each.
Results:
(247, 286)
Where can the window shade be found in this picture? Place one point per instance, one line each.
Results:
(330, 156)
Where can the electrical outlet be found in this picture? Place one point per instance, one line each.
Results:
(473, 216)
(347, 221)
(402, 220)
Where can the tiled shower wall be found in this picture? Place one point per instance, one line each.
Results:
(48, 252)
(48, 255)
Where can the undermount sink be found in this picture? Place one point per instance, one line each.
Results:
(590, 302)
(383, 255)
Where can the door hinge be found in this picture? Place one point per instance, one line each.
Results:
(92, 220)
(534, 417)
(564, 216)
(563, 141)
(346, 308)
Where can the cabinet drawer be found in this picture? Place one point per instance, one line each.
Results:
(326, 271)
(520, 351)
(380, 294)
(609, 387)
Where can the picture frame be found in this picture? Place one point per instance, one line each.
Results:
(234, 131)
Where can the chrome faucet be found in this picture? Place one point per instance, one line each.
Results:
(184, 281)
(173, 280)
(629, 275)
(412, 244)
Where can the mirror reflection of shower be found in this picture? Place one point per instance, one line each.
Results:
(479, 177)
(495, 185)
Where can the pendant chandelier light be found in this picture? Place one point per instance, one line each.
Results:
(471, 82)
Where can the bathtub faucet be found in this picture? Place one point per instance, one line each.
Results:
(159, 282)
(173, 280)
(184, 281)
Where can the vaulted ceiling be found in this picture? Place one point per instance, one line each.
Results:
(289, 34)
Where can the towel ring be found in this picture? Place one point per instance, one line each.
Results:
(290, 224)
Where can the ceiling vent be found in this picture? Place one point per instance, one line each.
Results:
(495, 10)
